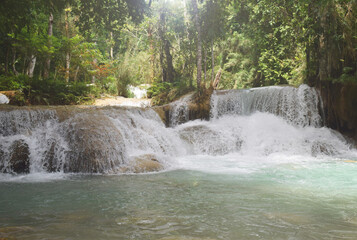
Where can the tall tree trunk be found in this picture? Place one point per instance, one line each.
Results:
(68, 53)
(46, 70)
(212, 56)
(152, 52)
(161, 31)
(76, 74)
(7, 60)
(14, 62)
(111, 46)
(205, 64)
(170, 66)
(93, 76)
(199, 43)
(31, 66)
(168, 71)
(188, 61)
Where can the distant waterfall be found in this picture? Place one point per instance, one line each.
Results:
(301, 106)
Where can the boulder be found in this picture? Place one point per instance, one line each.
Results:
(198, 107)
(204, 140)
(97, 146)
(19, 157)
(321, 148)
(3, 99)
(50, 162)
(143, 163)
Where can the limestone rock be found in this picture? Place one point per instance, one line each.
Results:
(20, 157)
(96, 144)
(205, 140)
(3, 99)
(143, 163)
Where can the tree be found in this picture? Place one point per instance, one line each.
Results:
(199, 42)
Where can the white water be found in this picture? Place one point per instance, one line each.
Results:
(300, 106)
(179, 112)
(138, 92)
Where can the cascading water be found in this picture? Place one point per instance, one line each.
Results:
(87, 140)
(300, 106)
(179, 112)
(262, 122)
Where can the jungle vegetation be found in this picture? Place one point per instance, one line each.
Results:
(70, 51)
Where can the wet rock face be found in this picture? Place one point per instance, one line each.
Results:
(20, 157)
(197, 106)
(96, 144)
(340, 103)
(321, 148)
(50, 161)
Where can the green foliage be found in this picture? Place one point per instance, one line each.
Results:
(123, 82)
(111, 44)
(11, 83)
(158, 88)
(52, 92)
(165, 92)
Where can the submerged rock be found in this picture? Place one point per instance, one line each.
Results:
(50, 162)
(20, 157)
(204, 140)
(143, 163)
(318, 148)
(184, 238)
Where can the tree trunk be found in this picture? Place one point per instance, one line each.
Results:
(188, 61)
(199, 43)
(212, 56)
(152, 52)
(205, 64)
(76, 74)
(217, 79)
(170, 67)
(14, 62)
(46, 70)
(111, 46)
(7, 60)
(31, 66)
(93, 76)
(68, 54)
(168, 71)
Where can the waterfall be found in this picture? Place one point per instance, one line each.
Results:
(90, 140)
(179, 112)
(260, 123)
(300, 106)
